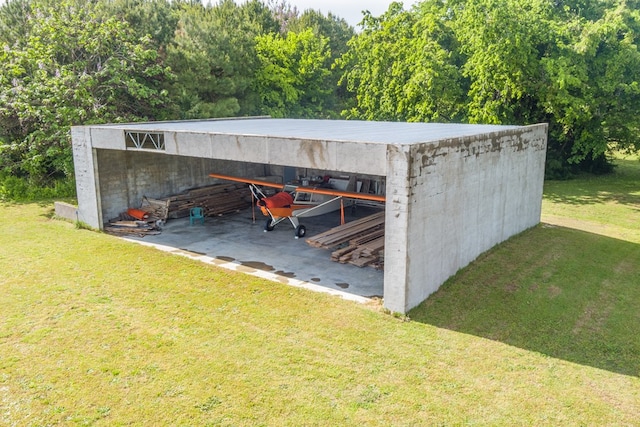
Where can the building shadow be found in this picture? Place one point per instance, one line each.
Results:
(565, 293)
(620, 187)
(592, 196)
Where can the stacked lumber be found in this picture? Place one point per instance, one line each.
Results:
(157, 209)
(217, 199)
(359, 242)
(123, 227)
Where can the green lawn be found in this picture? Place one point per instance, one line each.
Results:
(541, 330)
(607, 205)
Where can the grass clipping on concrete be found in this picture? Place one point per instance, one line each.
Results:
(541, 330)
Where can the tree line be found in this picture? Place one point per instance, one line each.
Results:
(574, 64)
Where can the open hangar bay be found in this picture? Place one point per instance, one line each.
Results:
(235, 241)
(452, 191)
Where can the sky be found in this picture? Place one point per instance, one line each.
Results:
(350, 10)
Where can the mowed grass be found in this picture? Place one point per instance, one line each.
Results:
(541, 330)
(608, 205)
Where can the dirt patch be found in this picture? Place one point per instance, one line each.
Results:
(596, 313)
(624, 267)
(554, 291)
(511, 287)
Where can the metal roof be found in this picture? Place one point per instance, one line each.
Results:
(324, 130)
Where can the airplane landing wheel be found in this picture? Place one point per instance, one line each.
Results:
(268, 226)
(301, 230)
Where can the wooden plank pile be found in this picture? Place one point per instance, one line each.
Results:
(359, 242)
(217, 199)
(123, 227)
(157, 209)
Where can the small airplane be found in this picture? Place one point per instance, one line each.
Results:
(293, 202)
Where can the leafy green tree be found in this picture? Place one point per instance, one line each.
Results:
(593, 97)
(291, 79)
(14, 21)
(214, 57)
(338, 32)
(574, 64)
(404, 66)
(71, 68)
(502, 41)
(156, 19)
(334, 28)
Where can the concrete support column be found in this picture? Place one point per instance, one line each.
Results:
(397, 260)
(84, 161)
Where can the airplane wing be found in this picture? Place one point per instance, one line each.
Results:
(340, 193)
(247, 180)
(300, 189)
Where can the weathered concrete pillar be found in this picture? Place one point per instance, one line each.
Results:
(85, 165)
(396, 253)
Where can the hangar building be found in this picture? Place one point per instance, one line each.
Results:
(452, 191)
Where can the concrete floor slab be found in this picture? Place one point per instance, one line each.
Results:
(240, 243)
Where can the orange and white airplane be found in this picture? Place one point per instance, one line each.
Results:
(293, 202)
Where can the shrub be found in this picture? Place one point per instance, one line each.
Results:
(20, 189)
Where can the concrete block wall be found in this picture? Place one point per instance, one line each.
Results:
(113, 186)
(127, 176)
(453, 199)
